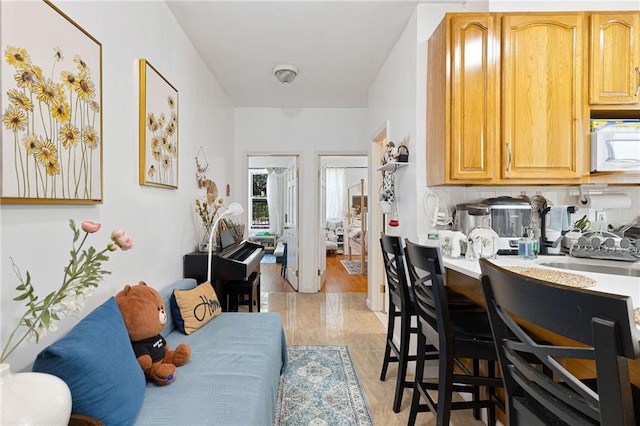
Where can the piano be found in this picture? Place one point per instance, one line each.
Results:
(234, 262)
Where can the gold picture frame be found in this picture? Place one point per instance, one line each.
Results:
(51, 105)
(158, 129)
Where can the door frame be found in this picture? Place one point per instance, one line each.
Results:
(318, 161)
(245, 186)
(376, 300)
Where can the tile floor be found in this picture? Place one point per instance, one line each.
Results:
(344, 319)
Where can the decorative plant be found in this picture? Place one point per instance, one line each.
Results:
(52, 122)
(81, 276)
(208, 208)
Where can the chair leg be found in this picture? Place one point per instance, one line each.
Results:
(475, 394)
(491, 395)
(415, 399)
(403, 353)
(445, 388)
(391, 318)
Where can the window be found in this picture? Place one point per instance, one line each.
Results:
(258, 199)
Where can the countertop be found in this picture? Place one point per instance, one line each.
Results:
(609, 283)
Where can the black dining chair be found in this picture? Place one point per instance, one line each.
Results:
(602, 324)
(400, 306)
(458, 334)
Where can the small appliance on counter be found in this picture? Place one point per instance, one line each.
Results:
(509, 218)
(471, 215)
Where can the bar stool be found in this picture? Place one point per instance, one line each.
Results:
(457, 334)
(400, 306)
(244, 293)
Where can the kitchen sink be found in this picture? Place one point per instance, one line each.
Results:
(601, 269)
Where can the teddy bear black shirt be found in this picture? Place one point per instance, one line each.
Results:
(153, 346)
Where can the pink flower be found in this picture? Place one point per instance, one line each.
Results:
(121, 239)
(90, 226)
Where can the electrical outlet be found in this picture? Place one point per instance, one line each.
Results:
(601, 216)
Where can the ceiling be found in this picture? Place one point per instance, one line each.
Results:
(338, 47)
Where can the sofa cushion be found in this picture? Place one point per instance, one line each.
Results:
(193, 308)
(97, 362)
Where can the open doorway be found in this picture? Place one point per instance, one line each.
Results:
(272, 213)
(343, 215)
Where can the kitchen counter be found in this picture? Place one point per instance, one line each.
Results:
(463, 277)
(616, 284)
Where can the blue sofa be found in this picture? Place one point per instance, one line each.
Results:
(232, 377)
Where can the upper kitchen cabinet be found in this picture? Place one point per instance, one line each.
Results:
(543, 108)
(614, 77)
(463, 100)
(505, 99)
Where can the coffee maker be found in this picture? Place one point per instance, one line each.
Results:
(509, 218)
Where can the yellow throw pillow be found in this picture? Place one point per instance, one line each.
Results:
(194, 308)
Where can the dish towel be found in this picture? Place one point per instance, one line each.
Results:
(558, 218)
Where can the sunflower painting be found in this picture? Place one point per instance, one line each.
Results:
(51, 149)
(158, 129)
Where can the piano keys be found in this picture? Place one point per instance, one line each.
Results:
(236, 262)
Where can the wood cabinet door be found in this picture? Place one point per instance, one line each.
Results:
(474, 102)
(615, 58)
(542, 108)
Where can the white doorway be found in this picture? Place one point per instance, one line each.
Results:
(271, 193)
(334, 208)
(377, 280)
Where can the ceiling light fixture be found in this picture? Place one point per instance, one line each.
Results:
(285, 73)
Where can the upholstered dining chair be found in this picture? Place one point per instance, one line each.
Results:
(602, 324)
(457, 334)
(400, 306)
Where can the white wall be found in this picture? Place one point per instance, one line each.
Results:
(308, 132)
(161, 222)
(398, 94)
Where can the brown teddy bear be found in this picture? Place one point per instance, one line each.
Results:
(144, 315)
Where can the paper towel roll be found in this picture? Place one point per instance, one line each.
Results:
(604, 201)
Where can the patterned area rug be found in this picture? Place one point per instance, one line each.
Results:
(352, 266)
(320, 387)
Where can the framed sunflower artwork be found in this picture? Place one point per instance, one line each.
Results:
(158, 129)
(51, 105)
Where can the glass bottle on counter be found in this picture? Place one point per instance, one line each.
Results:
(526, 245)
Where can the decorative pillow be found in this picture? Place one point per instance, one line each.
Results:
(191, 309)
(96, 361)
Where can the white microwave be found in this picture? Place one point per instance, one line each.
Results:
(615, 150)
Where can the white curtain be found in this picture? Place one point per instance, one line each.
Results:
(336, 192)
(275, 200)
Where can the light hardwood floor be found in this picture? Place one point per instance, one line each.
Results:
(339, 316)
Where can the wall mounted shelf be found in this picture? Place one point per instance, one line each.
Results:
(392, 166)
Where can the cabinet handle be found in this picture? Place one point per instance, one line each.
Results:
(638, 78)
(510, 157)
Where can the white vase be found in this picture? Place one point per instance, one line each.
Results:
(33, 398)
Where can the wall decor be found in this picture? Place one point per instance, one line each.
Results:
(158, 129)
(51, 104)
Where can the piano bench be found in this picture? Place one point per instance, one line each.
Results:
(244, 293)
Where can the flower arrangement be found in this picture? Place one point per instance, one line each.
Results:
(81, 276)
(207, 209)
(53, 123)
(164, 143)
